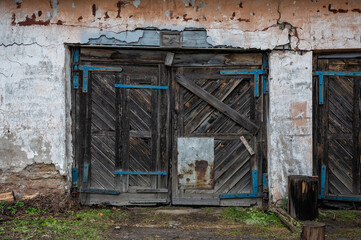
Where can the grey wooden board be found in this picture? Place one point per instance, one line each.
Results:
(122, 199)
(158, 190)
(148, 201)
(245, 202)
(196, 201)
(208, 59)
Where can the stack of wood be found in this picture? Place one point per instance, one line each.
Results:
(7, 196)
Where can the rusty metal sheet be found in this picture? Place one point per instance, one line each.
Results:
(195, 163)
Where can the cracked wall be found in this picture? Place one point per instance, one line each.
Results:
(34, 96)
(290, 119)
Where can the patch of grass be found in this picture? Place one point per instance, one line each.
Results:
(35, 211)
(86, 224)
(252, 216)
(339, 215)
(348, 233)
(258, 232)
(209, 210)
(59, 229)
(101, 215)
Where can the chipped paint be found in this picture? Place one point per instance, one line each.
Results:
(136, 3)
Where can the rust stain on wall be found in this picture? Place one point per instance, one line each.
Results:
(245, 15)
(299, 114)
(32, 21)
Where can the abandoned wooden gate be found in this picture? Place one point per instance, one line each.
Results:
(154, 127)
(337, 135)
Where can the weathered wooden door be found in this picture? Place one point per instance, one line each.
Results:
(211, 114)
(121, 130)
(337, 125)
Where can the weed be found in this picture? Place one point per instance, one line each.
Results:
(59, 229)
(340, 215)
(253, 216)
(34, 211)
(209, 210)
(284, 205)
(14, 208)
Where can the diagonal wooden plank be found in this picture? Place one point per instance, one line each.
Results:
(207, 112)
(217, 123)
(216, 103)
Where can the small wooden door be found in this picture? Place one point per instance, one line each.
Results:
(121, 130)
(212, 113)
(337, 125)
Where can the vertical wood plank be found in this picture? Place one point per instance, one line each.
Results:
(155, 131)
(118, 131)
(356, 130)
(315, 119)
(124, 151)
(325, 129)
(163, 126)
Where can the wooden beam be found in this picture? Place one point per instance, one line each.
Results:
(217, 104)
(7, 196)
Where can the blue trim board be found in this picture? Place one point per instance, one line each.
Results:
(256, 73)
(139, 173)
(265, 180)
(76, 80)
(323, 180)
(76, 56)
(74, 176)
(340, 198)
(326, 73)
(244, 72)
(76, 73)
(142, 87)
(335, 198)
(86, 69)
(253, 194)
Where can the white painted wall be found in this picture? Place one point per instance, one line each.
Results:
(290, 119)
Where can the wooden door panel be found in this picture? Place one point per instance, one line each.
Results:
(232, 167)
(222, 108)
(102, 134)
(337, 128)
(340, 124)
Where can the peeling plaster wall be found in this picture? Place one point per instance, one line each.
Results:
(34, 92)
(290, 119)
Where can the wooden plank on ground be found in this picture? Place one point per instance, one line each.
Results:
(7, 196)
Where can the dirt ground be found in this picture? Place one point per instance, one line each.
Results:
(55, 217)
